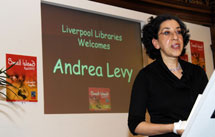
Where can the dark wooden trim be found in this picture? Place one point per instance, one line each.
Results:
(212, 28)
(190, 13)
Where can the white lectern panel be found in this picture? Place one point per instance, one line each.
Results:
(202, 122)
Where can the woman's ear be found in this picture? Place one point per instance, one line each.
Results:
(155, 43)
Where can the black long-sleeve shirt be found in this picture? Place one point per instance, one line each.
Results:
(167, 98)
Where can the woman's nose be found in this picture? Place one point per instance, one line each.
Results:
(175, 35)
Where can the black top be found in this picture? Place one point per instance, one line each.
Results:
(167, 98)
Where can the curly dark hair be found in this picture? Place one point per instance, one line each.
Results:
(151, 29)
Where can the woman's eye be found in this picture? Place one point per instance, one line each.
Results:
(166, 32)
(179, 32)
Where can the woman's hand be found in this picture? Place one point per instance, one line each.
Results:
(179, 127)
(180, 132)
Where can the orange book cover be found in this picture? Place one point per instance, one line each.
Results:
(99, 99)
(197, 53)
(23, 76)
(184, 57)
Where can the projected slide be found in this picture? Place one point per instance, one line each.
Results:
(89, 61)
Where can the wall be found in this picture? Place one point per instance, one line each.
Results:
(20, 33)
(201, 33)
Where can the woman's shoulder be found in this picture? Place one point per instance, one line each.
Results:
(189, 64)
(192, 68)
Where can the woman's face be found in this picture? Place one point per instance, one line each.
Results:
(170, 39)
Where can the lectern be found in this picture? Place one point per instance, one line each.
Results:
(201, 122)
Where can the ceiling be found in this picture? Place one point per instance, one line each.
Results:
(194, 11)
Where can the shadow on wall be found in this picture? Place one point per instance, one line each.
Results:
(9, 109)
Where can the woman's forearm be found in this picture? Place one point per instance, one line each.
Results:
(150, 129)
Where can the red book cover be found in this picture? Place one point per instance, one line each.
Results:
(184, 57)
(99, 99)
(23, 77)
(197, 53)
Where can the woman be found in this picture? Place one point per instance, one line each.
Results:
(169, 86)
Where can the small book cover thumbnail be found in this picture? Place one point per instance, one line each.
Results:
(99, 99)
(197, 53)
(184, 57)
(23, 77)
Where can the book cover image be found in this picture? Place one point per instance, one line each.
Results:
(23, 76)
(99, 99)
(184, 57)
(197, 53)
